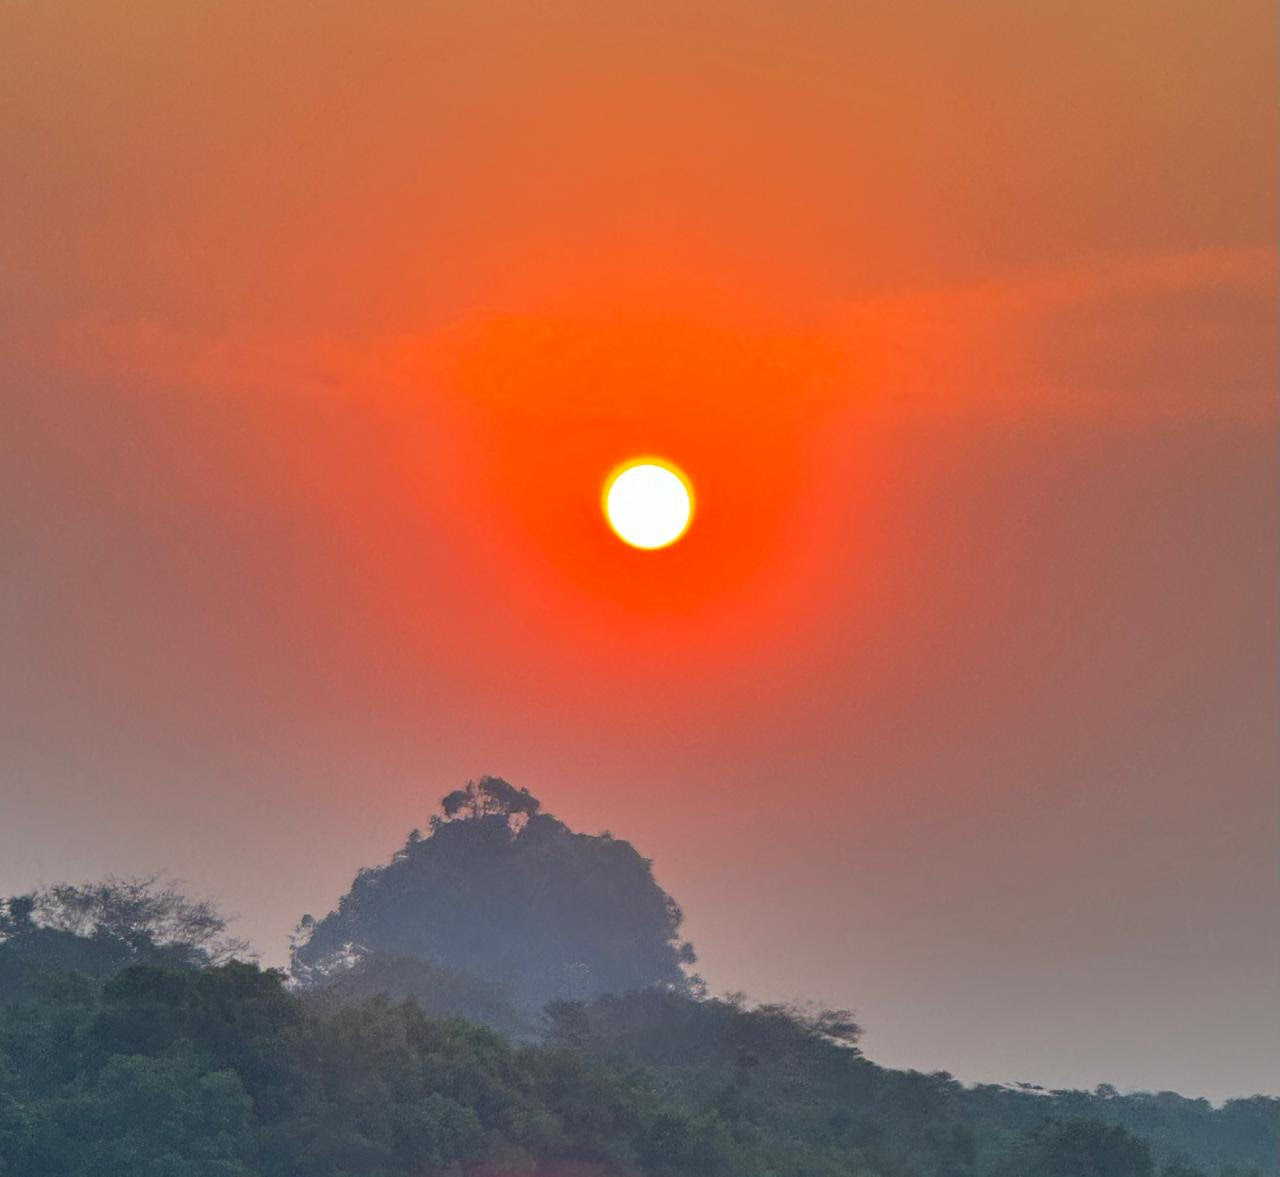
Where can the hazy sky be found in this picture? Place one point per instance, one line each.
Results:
(320, 325)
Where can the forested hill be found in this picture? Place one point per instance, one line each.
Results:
(505, 996)
(504, 892)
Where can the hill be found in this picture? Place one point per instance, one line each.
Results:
(505, 893)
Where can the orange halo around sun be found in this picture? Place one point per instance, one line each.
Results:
(648, 503)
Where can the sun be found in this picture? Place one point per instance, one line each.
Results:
(648, 503)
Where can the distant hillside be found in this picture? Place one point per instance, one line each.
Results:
(510, 895)
(797, 1083)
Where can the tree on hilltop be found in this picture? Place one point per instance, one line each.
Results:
(488, 796)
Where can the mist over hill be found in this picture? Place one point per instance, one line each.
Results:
(505, 996)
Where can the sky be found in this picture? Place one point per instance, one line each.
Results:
(320, 326)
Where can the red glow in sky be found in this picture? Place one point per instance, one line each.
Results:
(322, 328)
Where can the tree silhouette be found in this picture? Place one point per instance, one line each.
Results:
(488, 796)
(99, 928)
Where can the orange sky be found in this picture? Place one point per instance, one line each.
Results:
(321, 328)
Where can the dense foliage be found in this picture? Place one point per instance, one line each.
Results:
(223, 1072)
(503, 892)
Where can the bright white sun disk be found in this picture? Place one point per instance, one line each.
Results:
(649, 505)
